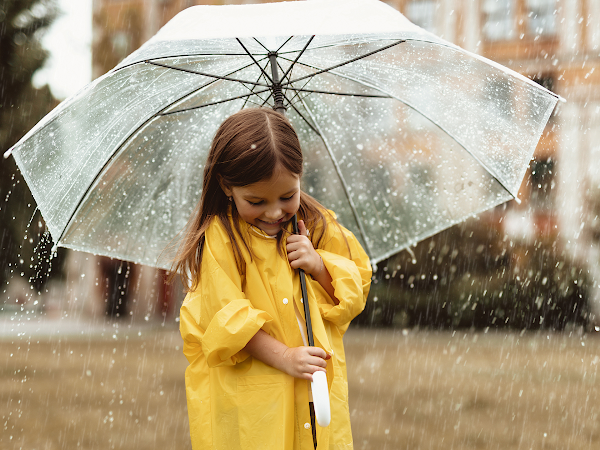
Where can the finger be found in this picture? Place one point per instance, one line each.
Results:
(315, 368)
(317, 351)
(297, 241)
(298, 253)
(302, 228)
(292, 246)
(308, 374)
(294, 255)
(317, 362)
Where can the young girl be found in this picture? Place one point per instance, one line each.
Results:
(242, 321)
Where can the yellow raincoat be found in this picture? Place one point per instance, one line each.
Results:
(236, 401)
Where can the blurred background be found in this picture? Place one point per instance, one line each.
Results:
(516, 271)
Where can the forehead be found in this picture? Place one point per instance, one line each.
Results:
(281, 182)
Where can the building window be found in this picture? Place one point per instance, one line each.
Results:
(422, 13)
(541, 17)
(498, 19)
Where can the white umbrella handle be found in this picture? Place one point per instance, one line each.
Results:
(320, 394)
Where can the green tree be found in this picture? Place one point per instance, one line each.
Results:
(22, 23)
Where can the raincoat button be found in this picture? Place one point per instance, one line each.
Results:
(285, 301)
(307, 425)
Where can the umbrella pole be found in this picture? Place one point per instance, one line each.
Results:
(309, 333)
(280, 108)
(277, 94)
(311, 341)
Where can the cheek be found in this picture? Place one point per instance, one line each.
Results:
(293, 206)
(243, 210)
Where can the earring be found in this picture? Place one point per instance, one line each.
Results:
(229, 198)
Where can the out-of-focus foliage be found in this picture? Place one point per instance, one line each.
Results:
(472, 275)
(22, 24)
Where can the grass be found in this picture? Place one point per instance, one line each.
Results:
(408, 390)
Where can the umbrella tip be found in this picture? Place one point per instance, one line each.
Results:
(518, 200)
(7, 153)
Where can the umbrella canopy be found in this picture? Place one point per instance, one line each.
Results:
(404, 134)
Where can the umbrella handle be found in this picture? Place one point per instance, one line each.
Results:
(320, 394)
(319, 387)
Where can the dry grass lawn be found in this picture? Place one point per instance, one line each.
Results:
(411, 390)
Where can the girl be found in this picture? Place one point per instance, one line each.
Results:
(242, 321)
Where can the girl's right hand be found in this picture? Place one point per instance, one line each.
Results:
(302, 362)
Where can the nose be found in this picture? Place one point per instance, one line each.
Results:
(273, 213)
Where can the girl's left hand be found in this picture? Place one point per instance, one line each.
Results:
(301, 252)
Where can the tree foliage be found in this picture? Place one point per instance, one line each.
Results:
(22, 24)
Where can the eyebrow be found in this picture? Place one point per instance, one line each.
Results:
(286, 194)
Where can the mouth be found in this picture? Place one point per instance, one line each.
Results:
(271, 224)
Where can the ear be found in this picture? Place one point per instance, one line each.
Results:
(224, 187)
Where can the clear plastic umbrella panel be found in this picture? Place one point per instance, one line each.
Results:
(404, 134)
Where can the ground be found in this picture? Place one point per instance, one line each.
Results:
(121, 387)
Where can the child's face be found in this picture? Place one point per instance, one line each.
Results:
(268, 204)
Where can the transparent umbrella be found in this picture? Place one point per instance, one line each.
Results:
(404, 134)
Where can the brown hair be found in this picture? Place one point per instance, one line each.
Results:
(246, 149)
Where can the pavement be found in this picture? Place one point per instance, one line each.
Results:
(27, 324)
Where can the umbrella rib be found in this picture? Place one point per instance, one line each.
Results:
(414, 108)
(348, 62)
(145, 123)
(211, 82)
(297, 58)
(261, 44)
(312, 127)
(280, 47)
(255, 62)
(266, 99)
(343, 182)
(297, 93)
(372, 39)
(214, 81)
(254, 103)
(252, 90)
(349, 94)
(283, 45)
(187, 55)
(195, 72)
(213, 103)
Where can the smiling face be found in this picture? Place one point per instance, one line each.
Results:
(268, 204)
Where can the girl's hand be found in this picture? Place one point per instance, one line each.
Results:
(299, 362)
(301, 253)
(302, 362)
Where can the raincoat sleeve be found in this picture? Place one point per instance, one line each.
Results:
(217, 318)
(350, 270)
